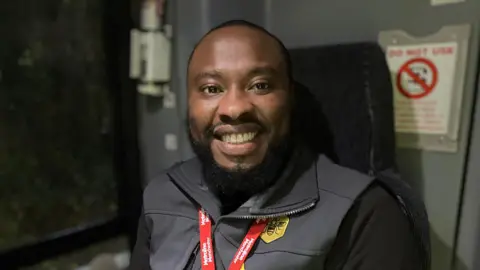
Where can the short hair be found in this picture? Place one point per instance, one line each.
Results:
(283, 49)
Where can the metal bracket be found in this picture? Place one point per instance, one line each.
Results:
(150, 53)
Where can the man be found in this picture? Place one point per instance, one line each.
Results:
(256, 196)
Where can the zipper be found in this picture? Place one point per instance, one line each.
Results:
(282, 214)
(191, 259)
(268, 216)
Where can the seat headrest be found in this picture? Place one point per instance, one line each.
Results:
(344, 107)
(345, 95)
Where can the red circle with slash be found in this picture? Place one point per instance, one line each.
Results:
(426, 87)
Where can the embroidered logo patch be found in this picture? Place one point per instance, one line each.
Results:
(275, 229)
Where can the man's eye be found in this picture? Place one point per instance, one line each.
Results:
(211, 89)
(261, 86)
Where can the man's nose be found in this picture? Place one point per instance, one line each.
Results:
(234, 104)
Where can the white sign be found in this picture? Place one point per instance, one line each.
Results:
(444, 2)
(423, 86)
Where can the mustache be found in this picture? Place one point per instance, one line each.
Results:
(211, 130)
(207, 133)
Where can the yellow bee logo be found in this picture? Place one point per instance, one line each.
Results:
(275, 229)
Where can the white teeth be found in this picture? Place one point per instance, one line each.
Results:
(239, 138)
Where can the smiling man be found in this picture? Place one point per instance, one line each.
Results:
(255, 196)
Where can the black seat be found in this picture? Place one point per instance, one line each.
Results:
(345, 102)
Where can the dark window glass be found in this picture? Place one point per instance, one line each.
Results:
(56, 167)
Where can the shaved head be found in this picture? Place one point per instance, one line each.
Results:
(246, 24)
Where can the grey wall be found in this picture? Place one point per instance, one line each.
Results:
(437, 176)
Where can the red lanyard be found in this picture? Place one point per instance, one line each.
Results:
(206, 247)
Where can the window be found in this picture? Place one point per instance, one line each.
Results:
(62, 127)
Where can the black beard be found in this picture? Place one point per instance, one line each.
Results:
(234, 187)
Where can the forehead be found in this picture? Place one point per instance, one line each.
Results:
(236, 48)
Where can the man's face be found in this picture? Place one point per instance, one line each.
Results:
(238, 96)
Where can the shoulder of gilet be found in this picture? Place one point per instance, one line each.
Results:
(160, 190)
(340, 181)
